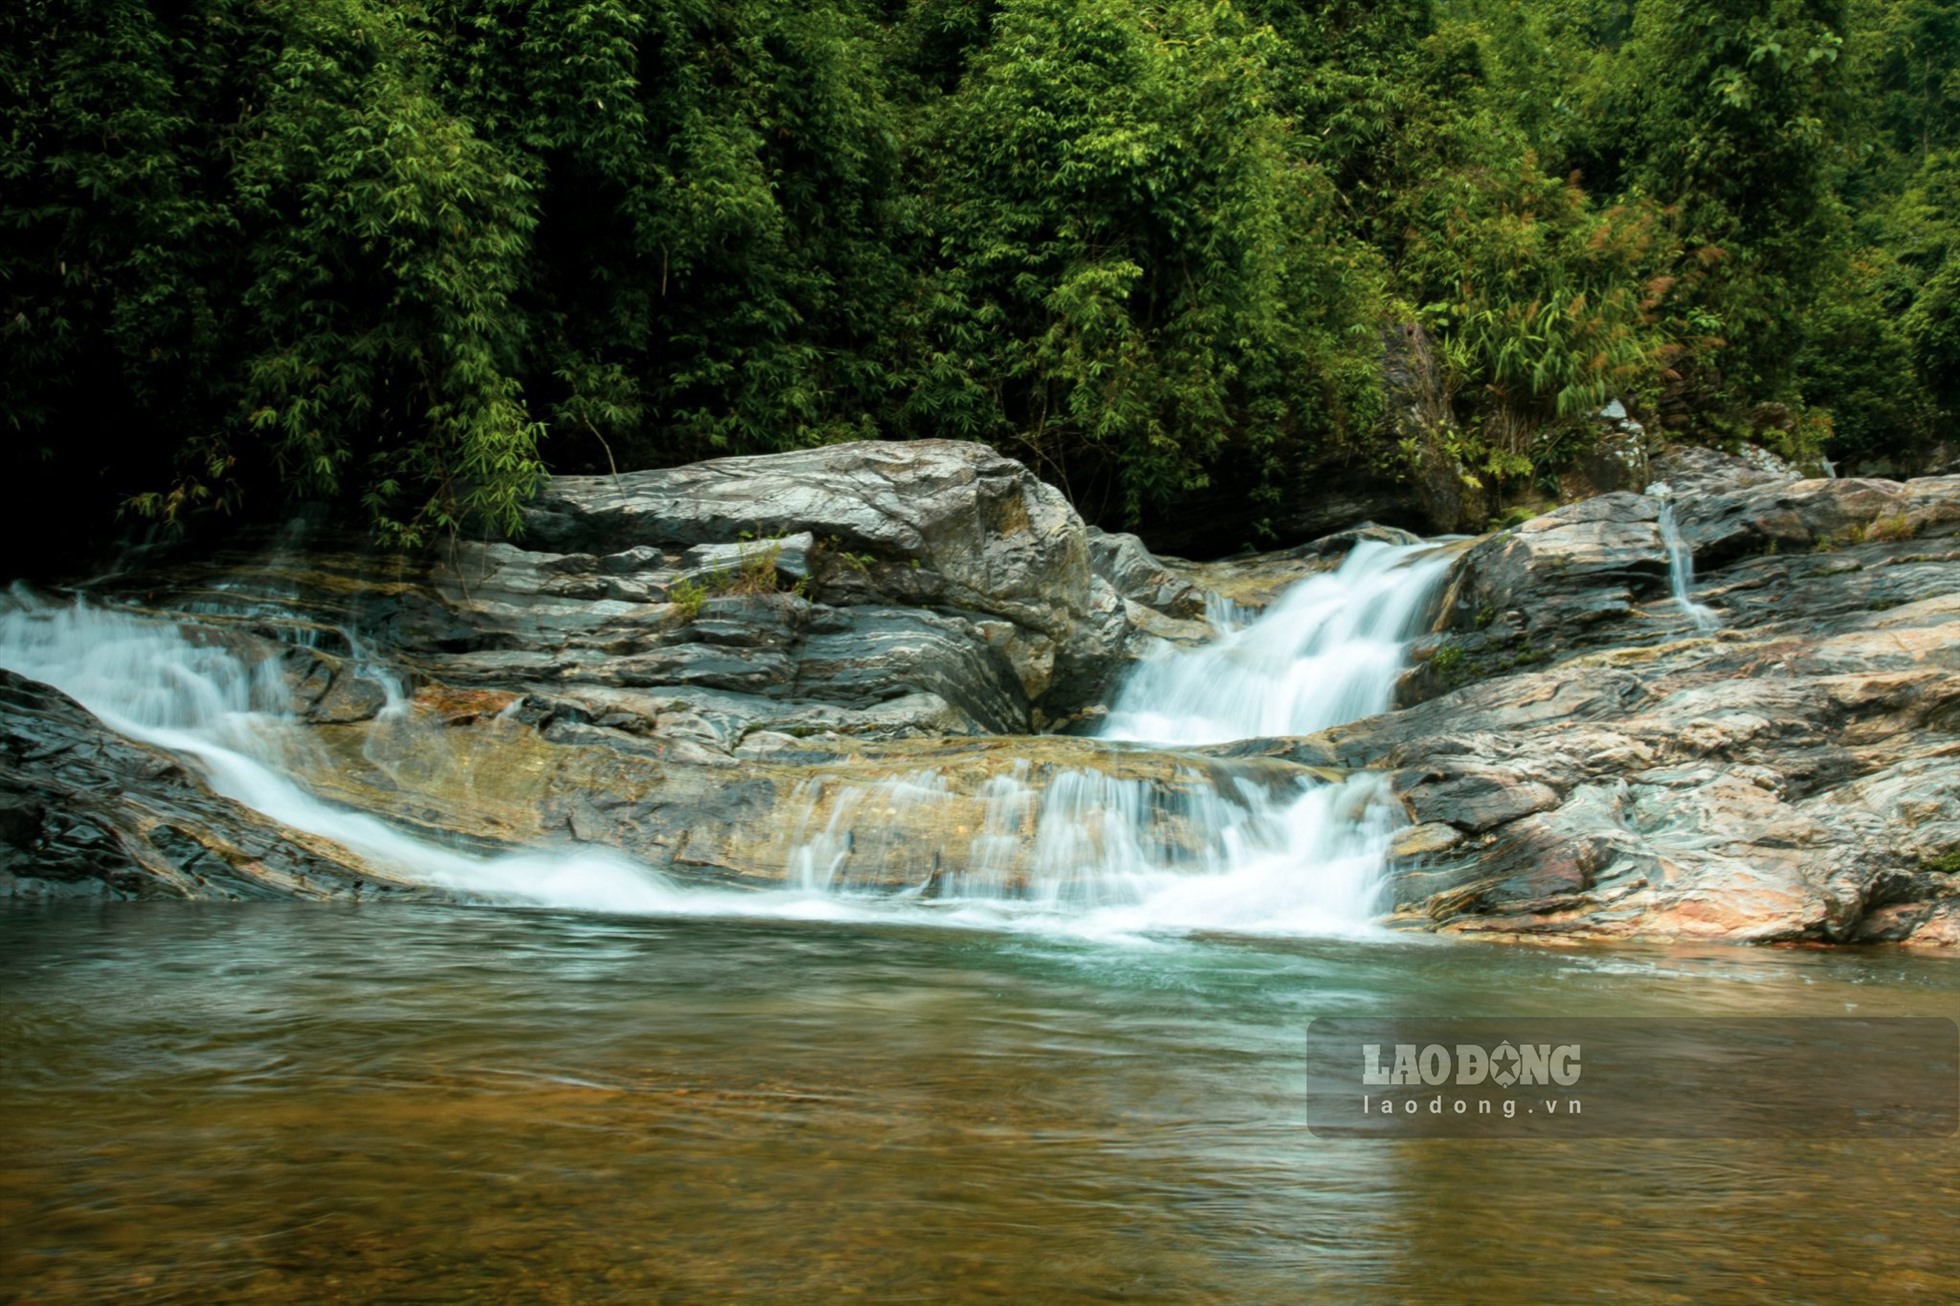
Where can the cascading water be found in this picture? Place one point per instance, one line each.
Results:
(1681, 569)
(1094, 853)
(1326, 653)
(1072, 848)
(200, 700)
(1243, 855)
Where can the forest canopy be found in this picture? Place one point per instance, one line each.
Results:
(409, 256)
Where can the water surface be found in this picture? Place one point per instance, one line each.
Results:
(304, 1102)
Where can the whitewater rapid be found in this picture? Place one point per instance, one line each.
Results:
(1074, 851)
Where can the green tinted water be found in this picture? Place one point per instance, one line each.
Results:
(209, 1103)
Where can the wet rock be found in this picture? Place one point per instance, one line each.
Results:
(1796, 779)
(1575, 757)
(1566, 570)
(1137, 575)
(552, 774)
(1472, 796)
(85, 812)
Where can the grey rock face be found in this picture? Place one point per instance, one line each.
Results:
(1795, 777)
(935, 575)
(1565, 570)
(1139, 576)
(985, 533)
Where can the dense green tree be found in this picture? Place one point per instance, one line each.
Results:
(1137, 275)
(1736, 113)
(408, 254)
(714, 267)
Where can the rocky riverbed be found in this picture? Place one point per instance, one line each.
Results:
(700, 666)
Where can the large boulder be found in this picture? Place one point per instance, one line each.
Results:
(923, 522)
(934, 574)
(880, 590)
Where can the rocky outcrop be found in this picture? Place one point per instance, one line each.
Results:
(1544, 582)
(709, 682)
(881, 591)
(540, 775)
(1139, 576)
(1577, 759)
(85, 812)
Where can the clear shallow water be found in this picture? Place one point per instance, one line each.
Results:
(298, 1102)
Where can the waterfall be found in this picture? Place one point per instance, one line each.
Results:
(1124, 843)
(1326, 653)
(1094, 853)
(1215, 850)
(1681, 566)
(197, 698)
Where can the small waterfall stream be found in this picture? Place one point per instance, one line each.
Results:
(150, 681)
(1208, 844)
(1681, 570)
(1326, 653)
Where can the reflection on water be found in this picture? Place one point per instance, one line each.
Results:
(291, 1102)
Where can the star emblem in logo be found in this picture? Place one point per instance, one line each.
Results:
(1504, 1064)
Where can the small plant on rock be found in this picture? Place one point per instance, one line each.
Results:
(1891, 530)
(687, 596)
(756, 573)
(1447, 663)
(831, 547)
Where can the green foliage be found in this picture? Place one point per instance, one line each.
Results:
(1892, 529)
(1544, 306)
(713, 267)
(830, 552)
(1735, 120)
(1137, 277)
(373, 253)
(391, 242)
(756, 572)
(687, 596)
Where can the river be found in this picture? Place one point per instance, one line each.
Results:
(303, 1102)
(1075, 1072)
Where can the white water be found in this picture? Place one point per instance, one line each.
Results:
(1099, 854)
(145, 679)
(1328, 652)
(1123, 854)
(1681, 570)
(1073, 850)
